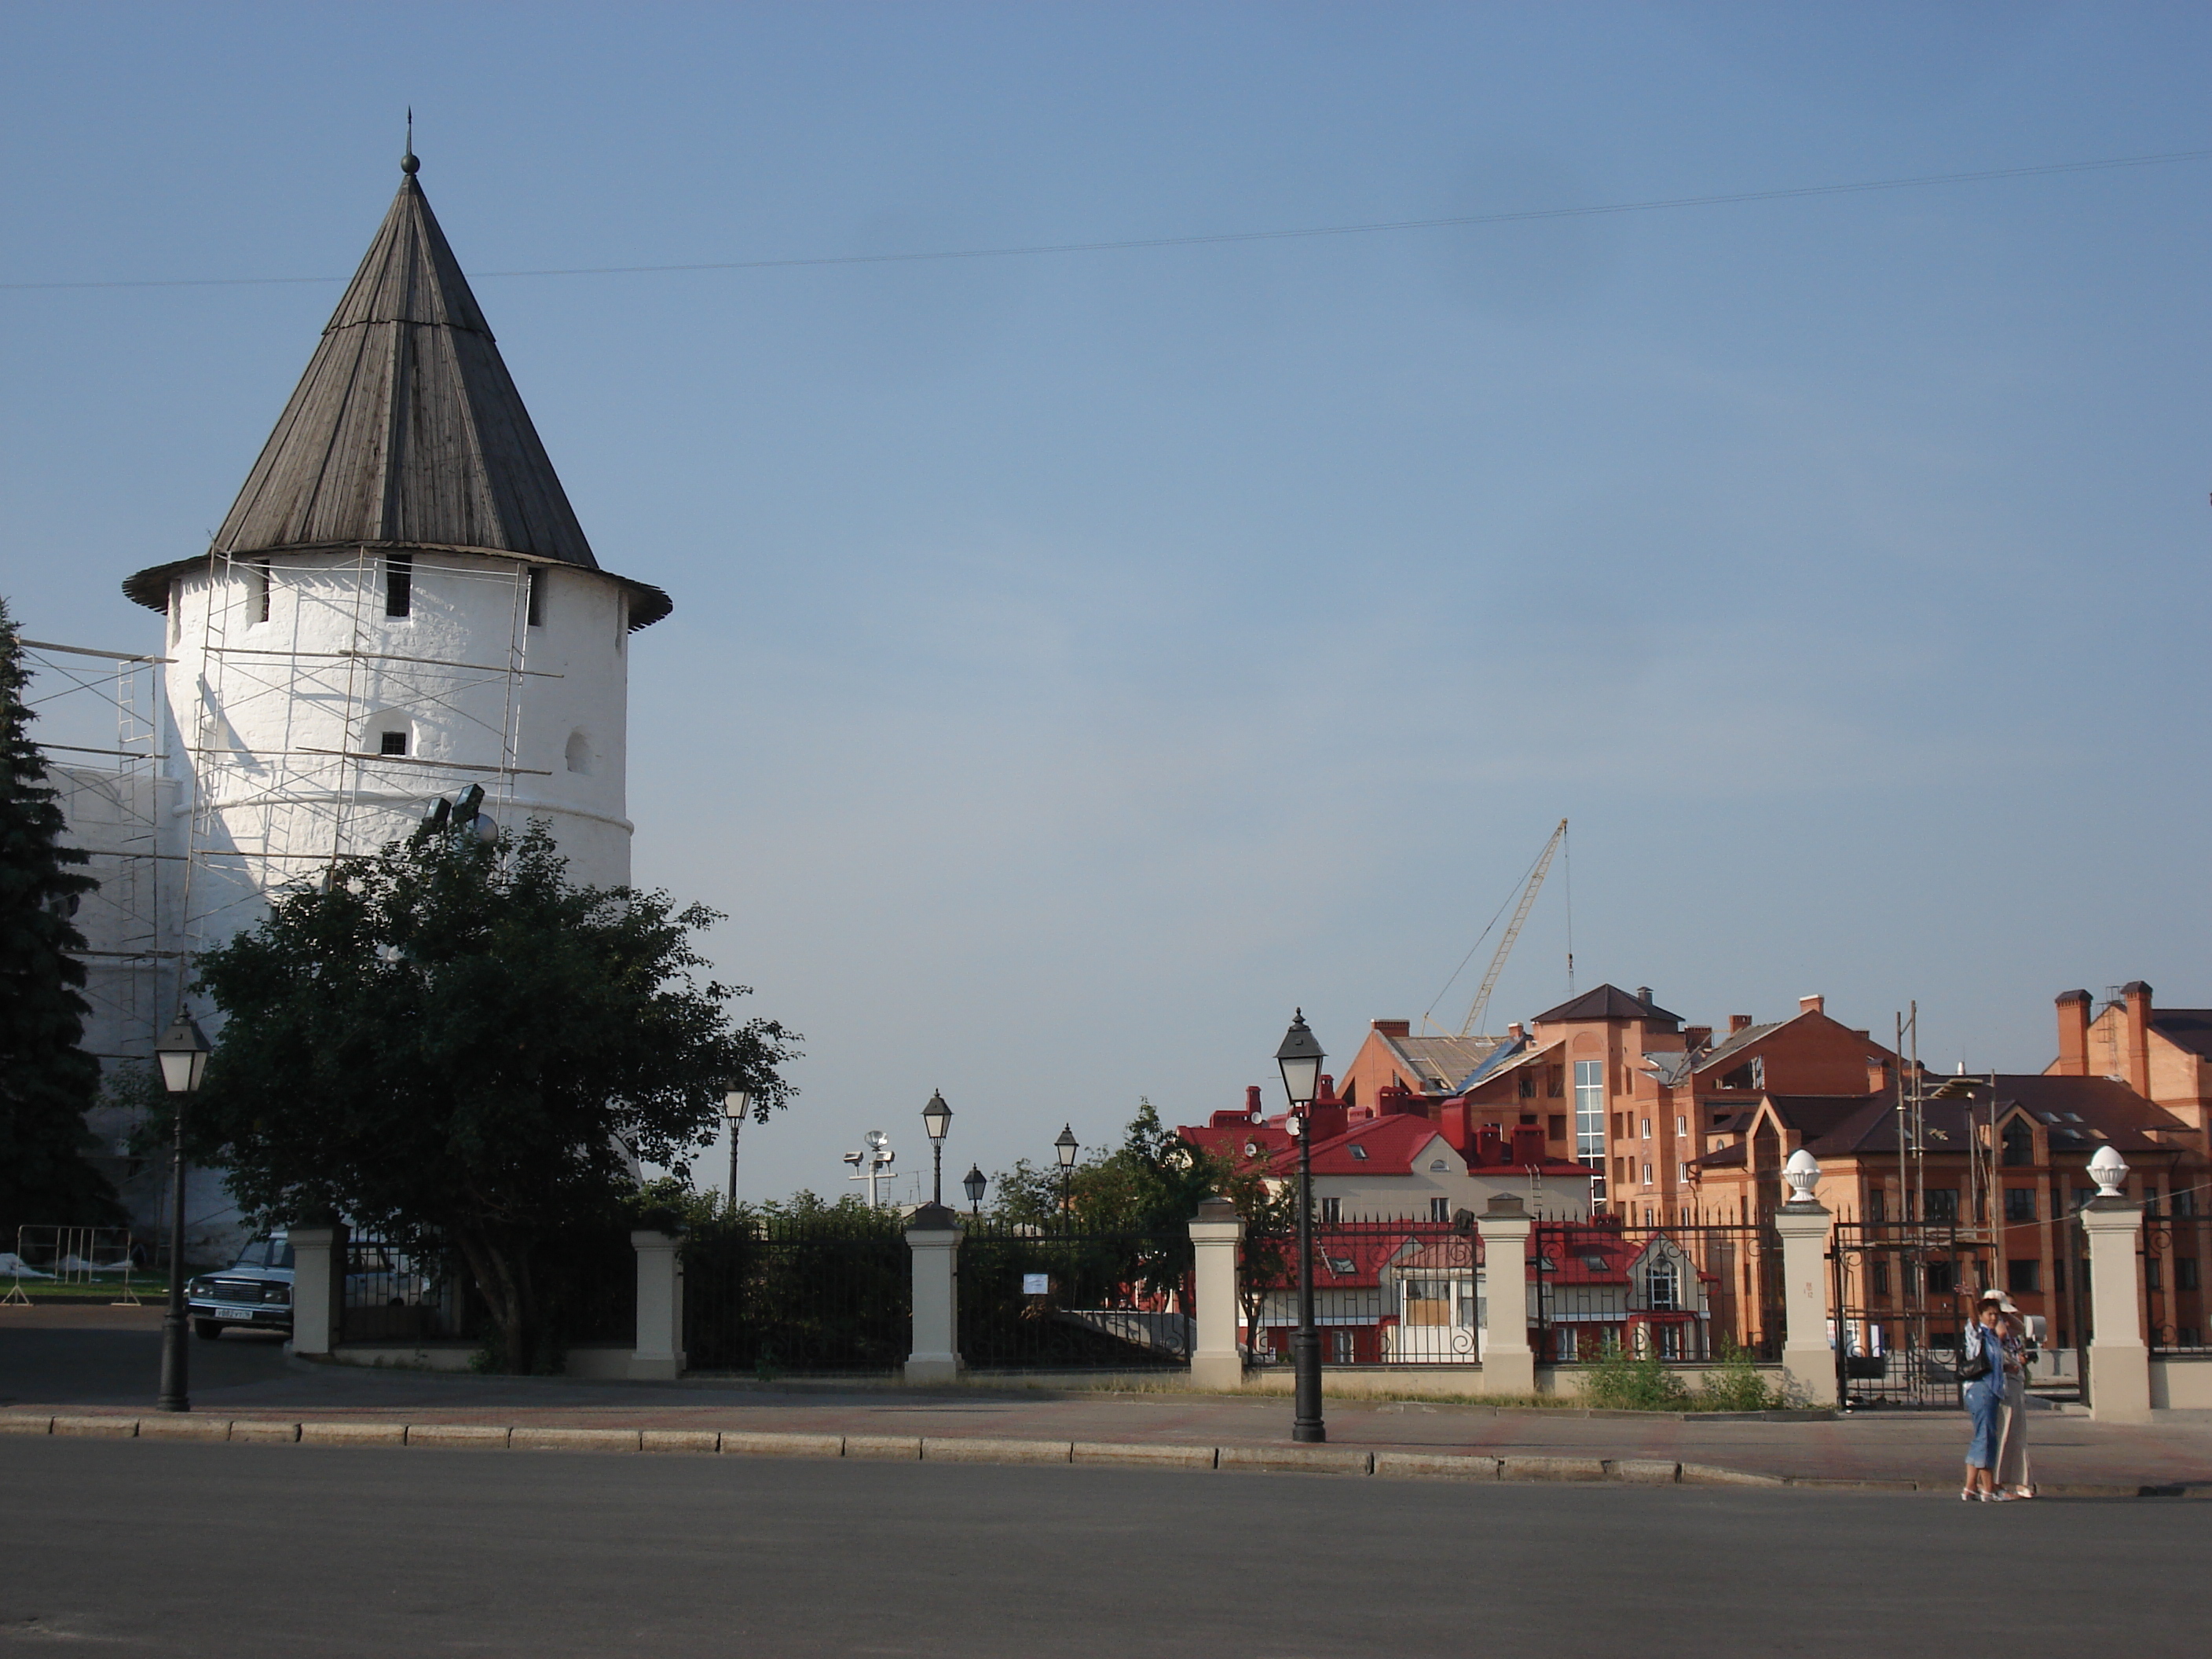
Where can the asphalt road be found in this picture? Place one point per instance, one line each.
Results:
(99, 1361)
(132, 1548)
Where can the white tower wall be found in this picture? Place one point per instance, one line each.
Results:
(287, 675)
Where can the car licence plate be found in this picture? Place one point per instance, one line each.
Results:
(232, 1312)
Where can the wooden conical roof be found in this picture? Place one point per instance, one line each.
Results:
(406, 430)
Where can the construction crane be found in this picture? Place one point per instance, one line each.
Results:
(1471, 1025)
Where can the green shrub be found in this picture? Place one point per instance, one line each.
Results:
(1616, 1382)
(1734, 1385)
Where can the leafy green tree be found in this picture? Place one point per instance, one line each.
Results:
(452, 1044)
(48, 1081)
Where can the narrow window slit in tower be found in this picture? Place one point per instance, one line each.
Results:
(399, 585)
(534, 602)
(261, 590)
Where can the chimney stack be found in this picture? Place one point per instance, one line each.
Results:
(1814, 1003)
(2073, 1034)
(1738, 1023)
(2138, 1000)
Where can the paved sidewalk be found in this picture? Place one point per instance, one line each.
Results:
(1920, 1450)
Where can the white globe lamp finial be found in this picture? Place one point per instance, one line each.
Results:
(1802, 1172)
(2108, 1169)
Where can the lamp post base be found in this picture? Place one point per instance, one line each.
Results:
(1306, 1425)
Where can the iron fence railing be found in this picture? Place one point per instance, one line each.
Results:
(1690, 1292)
(1901, 1295)
(777, 1295)
(1036, 1298)
(2177, 1259)
(393, 1295)
(1386, 1292)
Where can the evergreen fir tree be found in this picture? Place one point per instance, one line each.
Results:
(48, 1081)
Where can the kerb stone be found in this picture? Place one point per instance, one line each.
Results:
(553, 1439)
(353, 1434)
(760, 1444)
(1435, 1466)
(1309, 1460)
(959, 1449)
(481, 1436)
(1136, 1455)
(1551, 1468)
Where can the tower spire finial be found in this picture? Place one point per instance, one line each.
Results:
(408, 164)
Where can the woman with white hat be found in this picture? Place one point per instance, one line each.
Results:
(2010, 1476)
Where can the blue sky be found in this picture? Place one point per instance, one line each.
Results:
(1080, 660)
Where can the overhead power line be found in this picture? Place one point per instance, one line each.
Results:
(1519, 216)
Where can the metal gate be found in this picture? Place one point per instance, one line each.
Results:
(1035, 1299)
(1901, 1293)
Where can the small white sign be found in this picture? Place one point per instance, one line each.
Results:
(1036, 1283)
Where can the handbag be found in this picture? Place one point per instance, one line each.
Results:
(1979, 1367)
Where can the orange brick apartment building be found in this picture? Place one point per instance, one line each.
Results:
(1614, 1081)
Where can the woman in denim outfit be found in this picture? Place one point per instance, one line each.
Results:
(1984, 1341)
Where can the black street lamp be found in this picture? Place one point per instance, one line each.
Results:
(737, 1102)
(975, 1182)
(1300, 1059)
(1064, 1149)
(937, 1118)
(183, 1053)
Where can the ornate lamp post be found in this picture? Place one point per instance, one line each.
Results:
(736, 1101)
(1064, 1149)
(975, 1182)
(937, 1118)
(183, 1052)
(1299, 1060)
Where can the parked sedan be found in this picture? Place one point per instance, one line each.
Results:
(254, 1293)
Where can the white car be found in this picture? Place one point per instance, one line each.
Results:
(254, 1293)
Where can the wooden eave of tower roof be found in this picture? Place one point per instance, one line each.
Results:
(406, 433)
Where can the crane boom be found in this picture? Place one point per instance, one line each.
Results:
(1512, 932)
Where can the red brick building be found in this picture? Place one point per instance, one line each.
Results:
(1611, 1080)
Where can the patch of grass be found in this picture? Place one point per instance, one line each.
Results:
(99, 1292)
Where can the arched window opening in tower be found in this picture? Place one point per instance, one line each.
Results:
(580, 753)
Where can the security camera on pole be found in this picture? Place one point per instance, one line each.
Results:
(872, 1165)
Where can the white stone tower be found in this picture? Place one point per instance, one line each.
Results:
(399, 604)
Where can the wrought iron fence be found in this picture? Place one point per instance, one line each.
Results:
(1900, 1291)
(777, 1295)
(2177, 1258)
(1047, 1299)
(393, 1295)
(586, 1281)
(1691, 1291)
(590, 1278)
(1386, 1292)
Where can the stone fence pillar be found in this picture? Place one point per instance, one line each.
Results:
(933, 1234)
(2119, 1363)
(659, 1354)
(318, 1265)
(1215, 1362)
(1809, 1354)
(1509, 1364)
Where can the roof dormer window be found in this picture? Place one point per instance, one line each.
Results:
(1359, 1153)
(1438, 1164)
